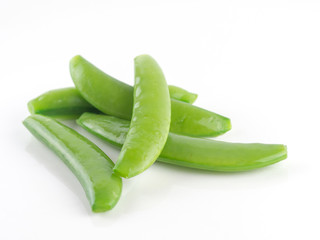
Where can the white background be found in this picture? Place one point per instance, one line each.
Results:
(257, 62)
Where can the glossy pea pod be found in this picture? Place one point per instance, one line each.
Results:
(90, 165)
(115, 98)
(67, 103)
(192, 152)
(182, 94)
(150, 121)
(64, 103)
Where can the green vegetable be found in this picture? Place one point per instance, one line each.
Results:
(150, 122)
(65, 103)
(115, 98)
(182, 95)
(89, 164)
(192, 152)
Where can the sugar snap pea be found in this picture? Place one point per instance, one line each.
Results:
(67, 103)
(115, 98)
(88, 163)
(150, 121)
(182, 94)
(191, 152)
(64, 103)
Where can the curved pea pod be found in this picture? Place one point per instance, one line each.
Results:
(150, 121)
(64, 103)
(115, 98)
(196, 122)
(181, 94)
(88, 163)
(192, 152)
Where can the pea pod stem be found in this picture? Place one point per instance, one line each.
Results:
(88, 163)
(115, 98)
(191, 152)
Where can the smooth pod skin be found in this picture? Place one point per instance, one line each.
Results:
(197, 120)
(182, 94)
(192, 152)
(115, 98)
(64, 103)
(89, 164)
(150, 123)
(67, 103)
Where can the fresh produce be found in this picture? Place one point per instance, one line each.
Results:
(191, 152)
(182, 94)
(64, 103)
(148, 122)
(90, 165)
(115, 98)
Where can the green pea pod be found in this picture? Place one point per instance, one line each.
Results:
(67, 103)
(182, 94)
(191, 152)
(150, 122)
(115, 98)
(89, 164)
(64, 103)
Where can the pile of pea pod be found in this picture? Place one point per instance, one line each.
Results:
(149, 122)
